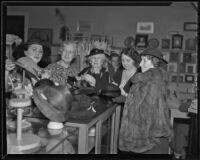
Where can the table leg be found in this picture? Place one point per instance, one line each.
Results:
(117, 121)
(83, 140)
(98, 138)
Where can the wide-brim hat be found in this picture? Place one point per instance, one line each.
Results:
(96, 51)
(155, 53)
(54, 102)
(36, 41)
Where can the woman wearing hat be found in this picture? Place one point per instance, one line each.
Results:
(96, 75)
(145, 121)
(61, 70)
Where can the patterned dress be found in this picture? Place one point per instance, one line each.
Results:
(59, 74)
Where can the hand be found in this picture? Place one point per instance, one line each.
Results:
(45, 74)
(9, 65)
(90, 79)
(120, 99)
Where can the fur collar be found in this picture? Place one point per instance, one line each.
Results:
(156, 75)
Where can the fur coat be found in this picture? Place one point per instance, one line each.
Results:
(146, 114)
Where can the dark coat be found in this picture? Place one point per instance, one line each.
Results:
(146, 115)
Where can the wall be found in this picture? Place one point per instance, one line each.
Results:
(118, 21)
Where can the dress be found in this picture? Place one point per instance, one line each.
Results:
(146, 114)
(59, 74)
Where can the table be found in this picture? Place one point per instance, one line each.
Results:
(85, 142)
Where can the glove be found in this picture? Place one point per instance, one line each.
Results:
(90, 79)
(120, 99)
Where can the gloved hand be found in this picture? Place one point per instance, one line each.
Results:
(119, 99)
(90, 79)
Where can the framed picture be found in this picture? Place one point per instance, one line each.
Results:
(172, 67)
(190, 26)
(190, 68)
(189, 78)
(190, 44)
(141, 40)
(44, 35)
(175, 78)
(177, 41)
(174, 57)
(145, 27)
(182, 67)
(165, 43)
(187, 57)
(84, 26)
(194, 58)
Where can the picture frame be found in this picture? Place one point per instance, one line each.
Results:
(189, 78)
(172, 67)
(145, 27)
(187, 57)
(177, 41)
(182, 67)
(165, 43)
(45, 35)
(174, 57)
(190, 44)
(84, 26)
(194, 58)
(141, 40)
(179, 79)
(190, 68)
(190, 26)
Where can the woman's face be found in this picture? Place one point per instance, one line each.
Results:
(115, 62)
(35, 52)
(127, 62)
(97, 60)
(145, 64)
(68, 53)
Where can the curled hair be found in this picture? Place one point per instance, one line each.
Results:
(68, 43)
(133, 54)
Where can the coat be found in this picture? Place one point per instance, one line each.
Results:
(146, 114)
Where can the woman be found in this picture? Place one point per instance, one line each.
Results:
(130, 62)
(61, 70)
(145, 120)
(96, 75)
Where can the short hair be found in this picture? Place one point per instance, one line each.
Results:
(133, 54)
(68, 43)
(113, 54)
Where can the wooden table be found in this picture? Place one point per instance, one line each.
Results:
(84, 143)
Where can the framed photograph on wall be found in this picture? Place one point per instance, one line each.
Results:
(165, 43)
(189, 78)
(177, 41)
(174, 57)
(141, 40)
(194, 58)
(182, 67)
(175, 78)
(84, 26)
(172, 67)
(190, 68)
(190, 26)
(145, 27)
(190, 44)
(43, 34)
(187, 57)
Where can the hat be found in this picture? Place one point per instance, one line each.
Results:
(36, 41)
(95, 51)
(154, 52)
(54, 102)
